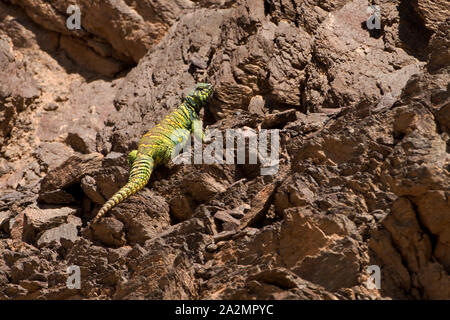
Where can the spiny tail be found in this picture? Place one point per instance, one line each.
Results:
(139, 176)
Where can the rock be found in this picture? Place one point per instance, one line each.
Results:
(256, 105)
(89, 59)
(278, 120)
(38, 220)
(248, 158)
(362, 174)
(103, 49)
(4, 167)
(433, 12)
(300, 240)
(74, 220)
(293, 195)
(276, 284)
(89, 186)
(45, 218)
(4, 217)
(52, 154)
(224, 235)
(278, 276)
(81, 141)
(259, 206)
(142, 215)
(15, 228)
(443, 117)
(341, 262)
(70, 172)
(405, 121)
(16, 291)
(211, 247)
(406, 237)
(54, 236)
(57, 197)
(239, 212)
(434, 213)
(181, 207)
(181, 245)
(32, 286)
(203, 187)
(18, 88)
(439, 43)
(227, 221)
(51, 106)
(74, 168)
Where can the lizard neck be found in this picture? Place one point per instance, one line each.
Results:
(191, 105)
(192, 113)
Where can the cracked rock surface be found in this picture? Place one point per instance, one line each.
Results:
(363, 172)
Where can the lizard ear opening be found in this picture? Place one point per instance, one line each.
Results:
(131, 157)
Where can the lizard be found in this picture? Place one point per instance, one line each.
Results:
(158, 145)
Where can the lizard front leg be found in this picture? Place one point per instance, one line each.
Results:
(197, 129)
(180, 139)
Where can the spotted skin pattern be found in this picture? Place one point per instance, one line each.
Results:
(157, 145)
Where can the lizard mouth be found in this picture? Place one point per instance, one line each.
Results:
(203, 85)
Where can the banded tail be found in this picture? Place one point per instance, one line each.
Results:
(140, 173)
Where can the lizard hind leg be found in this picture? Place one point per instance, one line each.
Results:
(139, 176)
(131, 157)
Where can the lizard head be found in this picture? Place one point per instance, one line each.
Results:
(200, 96)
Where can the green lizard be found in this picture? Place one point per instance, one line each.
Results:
(158, 145)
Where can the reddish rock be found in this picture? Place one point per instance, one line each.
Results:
(52, 237)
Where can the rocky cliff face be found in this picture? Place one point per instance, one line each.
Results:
(363, 116)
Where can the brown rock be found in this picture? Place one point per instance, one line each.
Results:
(38, 220)
(433, 12)
(439, 54)
(80, 141)
(89, 186)
(279, 120)
(71, 171)
(143, 216)
(16, 226)
(89, 59)
(256, 105)
(443, 117)
(228, 222)
(18, 88)
(110, 232)
(259, 206)
(340, 266)
(4, 217)
(203, 187)
(434, 213)
(32, 286)
(52, 154)
(136, 28)
(181, 207)
(363, 171)
(407, 250)
(54, 236)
